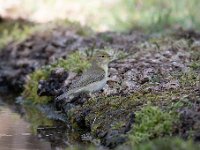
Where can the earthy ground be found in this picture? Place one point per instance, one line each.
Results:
(155, 94)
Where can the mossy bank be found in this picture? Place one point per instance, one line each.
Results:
(153, 94)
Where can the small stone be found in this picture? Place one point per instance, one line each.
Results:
(130, 85)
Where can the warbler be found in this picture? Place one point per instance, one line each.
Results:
(92, 80)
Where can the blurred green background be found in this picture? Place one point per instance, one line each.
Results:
(104, 15)
(112, 14)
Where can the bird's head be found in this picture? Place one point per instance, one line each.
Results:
(102, 58)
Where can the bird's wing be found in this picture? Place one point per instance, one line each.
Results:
(88, 77)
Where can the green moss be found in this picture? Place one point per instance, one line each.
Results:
(31, 87)
(155, 114)
(189, 79)
(14, 31)
(167, 143)
(195, 65)
(195, 58)
(113, 113)
(150, 122)
(118, 125)
(195, 55)
(75, 62)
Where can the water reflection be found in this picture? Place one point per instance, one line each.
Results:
(15, 132)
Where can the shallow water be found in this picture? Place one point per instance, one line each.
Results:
(15, 132)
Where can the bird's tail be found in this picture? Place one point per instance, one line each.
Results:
(64, 97)
(61, 97)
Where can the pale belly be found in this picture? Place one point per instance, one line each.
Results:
(94, 87)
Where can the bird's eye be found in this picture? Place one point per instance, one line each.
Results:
(102, 56)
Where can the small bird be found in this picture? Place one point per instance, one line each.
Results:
(92, 80)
